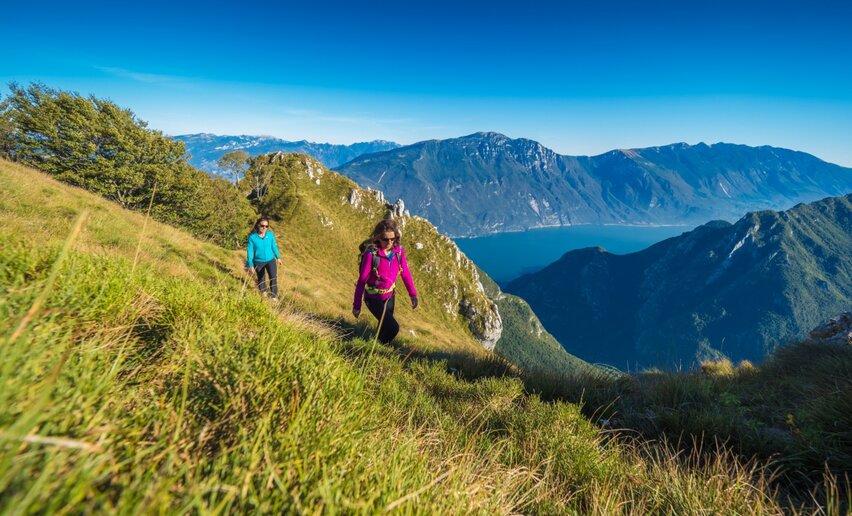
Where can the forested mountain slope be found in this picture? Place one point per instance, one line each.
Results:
(736, 290)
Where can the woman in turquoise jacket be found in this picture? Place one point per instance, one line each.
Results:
(262, 255)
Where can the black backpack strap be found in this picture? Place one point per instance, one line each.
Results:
(376, 261)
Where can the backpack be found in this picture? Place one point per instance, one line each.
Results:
(367, 246)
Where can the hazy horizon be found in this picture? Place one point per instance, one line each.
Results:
(580, 78)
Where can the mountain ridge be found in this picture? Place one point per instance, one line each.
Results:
(206, 148)
(736, 290)
(486, 182)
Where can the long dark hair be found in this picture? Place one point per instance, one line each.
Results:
(257, 224)
(382, 228)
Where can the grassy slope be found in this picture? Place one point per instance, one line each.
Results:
(319, 276)
(172, 387)
(796, 407)
(319, 232)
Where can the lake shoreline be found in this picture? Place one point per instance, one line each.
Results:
(582, 224)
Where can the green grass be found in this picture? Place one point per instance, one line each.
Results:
(176, 388)
(794, 412)
(319, 232)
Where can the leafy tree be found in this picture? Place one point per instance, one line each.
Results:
(88, 142)
(6, 131)
(95, 144)
(227, 215)
(235, 164)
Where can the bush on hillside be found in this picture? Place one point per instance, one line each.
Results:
(97, 145)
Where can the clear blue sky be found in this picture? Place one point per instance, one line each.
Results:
(580, 77)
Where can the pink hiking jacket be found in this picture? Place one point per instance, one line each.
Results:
(388, 272)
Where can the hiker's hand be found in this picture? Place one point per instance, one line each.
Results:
(356, 312)
(413, 302)
(278, 261)
(249, 269)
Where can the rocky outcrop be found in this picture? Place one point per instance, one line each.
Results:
(355, 198)
(398, 210)
(485, 324)
(837, 330)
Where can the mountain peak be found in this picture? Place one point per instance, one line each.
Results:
(491, 136)
(488, 134)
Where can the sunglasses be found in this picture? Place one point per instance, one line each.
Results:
(388, 239)
(264, 225)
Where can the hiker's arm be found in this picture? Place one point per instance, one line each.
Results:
(363, 274)
(406, 275)
(250, 253)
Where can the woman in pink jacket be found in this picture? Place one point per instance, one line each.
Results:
(381, 263)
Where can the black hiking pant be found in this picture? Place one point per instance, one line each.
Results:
(389, 327)
(263, 269)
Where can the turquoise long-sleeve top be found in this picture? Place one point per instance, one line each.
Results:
(261, 249)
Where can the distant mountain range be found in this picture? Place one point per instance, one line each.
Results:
(738, 290)
(206, 149)
(487, 182)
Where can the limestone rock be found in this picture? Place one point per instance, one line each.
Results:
(355, 197)
(398, 209)
(377, 194)
(486, 325)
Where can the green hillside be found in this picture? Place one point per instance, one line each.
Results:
(141, 372)
(321, 216)
(722, 290)
(524, 341)
(165, 384)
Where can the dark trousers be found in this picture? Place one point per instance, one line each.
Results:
(389, 327)
(263, 269)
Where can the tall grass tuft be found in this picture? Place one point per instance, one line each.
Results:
(51, 278)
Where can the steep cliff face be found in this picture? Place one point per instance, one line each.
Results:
(326, 216)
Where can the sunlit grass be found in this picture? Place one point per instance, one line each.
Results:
(177, 388)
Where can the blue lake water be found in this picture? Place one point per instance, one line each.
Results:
(505, 256)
